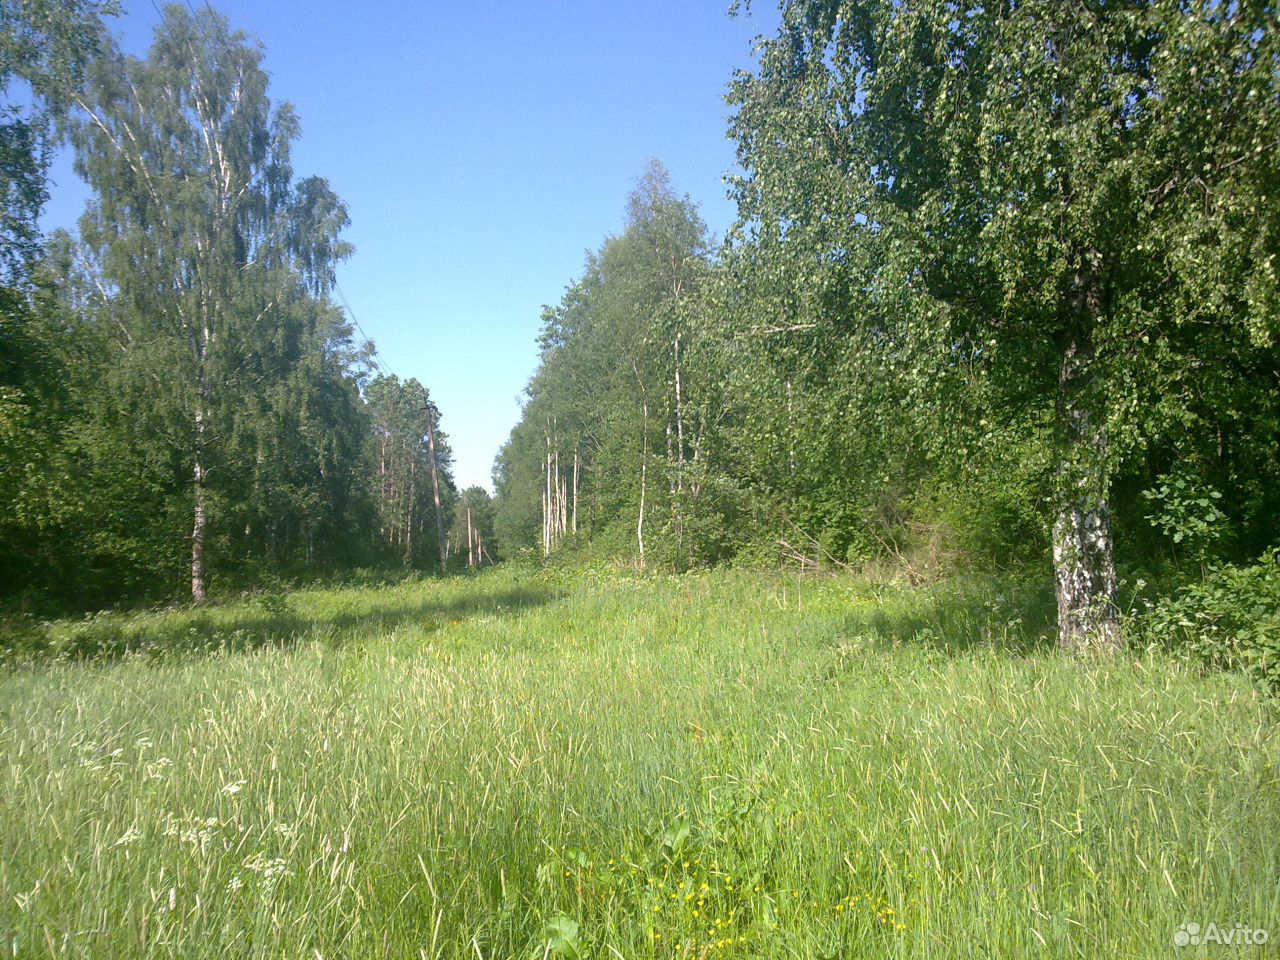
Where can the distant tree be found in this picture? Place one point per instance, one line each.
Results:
(471, 540)
(409, 470)
(605, 440)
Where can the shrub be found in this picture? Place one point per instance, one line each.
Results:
(1230, 619)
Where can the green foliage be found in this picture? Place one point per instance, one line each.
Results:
(1229, 619)
(402, 449)
(996, 272)
(604, 394)
(561, 935)
(1187, 512)
(176, 382)
(45, 47)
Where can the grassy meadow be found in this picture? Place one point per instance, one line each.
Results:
(716, 765)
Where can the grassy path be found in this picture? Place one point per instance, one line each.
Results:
(719, 765)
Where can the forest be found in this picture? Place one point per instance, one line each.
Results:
(1002, 293)
(182, 399)
(894, 575)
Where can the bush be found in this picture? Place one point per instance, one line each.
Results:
(1229, 619)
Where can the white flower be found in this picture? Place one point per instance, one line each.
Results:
(231, 789)
(155, 769)
(270, 869)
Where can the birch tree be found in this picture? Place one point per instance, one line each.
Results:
(202, 240)
(1061, 199)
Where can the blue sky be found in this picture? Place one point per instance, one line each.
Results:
(482, 150)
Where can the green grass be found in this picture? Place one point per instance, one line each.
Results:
(717, 765)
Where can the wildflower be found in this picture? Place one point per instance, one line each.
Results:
(155, 769)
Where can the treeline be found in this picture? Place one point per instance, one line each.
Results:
(181, 402)
(1004, 286)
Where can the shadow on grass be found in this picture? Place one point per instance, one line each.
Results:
(1015, 616)
(275, 621)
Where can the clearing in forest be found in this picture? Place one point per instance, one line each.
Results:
(716, 765)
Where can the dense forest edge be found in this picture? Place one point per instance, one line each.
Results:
(1003, 295)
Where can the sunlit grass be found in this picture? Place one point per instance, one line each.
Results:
(719, 765)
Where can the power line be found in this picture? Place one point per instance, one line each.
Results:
(383, 367)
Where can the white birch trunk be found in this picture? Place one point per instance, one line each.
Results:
(1083, 557)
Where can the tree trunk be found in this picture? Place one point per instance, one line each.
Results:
(678, 499)
(199, 576)
(644, 456)
(644, 469)
(1083, 558)
(547, 503)
(471, 550)
(435, 483)
(200, 513)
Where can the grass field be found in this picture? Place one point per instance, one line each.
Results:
(717, 765)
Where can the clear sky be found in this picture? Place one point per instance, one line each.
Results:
(483, 148)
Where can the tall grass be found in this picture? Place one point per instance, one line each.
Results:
(717, 765)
